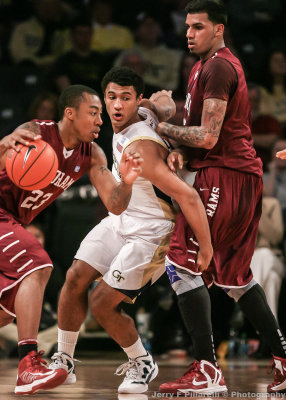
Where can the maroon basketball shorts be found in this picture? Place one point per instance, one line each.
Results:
(20, 255)
(233, 203)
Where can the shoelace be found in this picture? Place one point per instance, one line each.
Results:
(270, 365)
(131, 367)
(194, 367)
(37, 359)
(277, 373)
(60, 357)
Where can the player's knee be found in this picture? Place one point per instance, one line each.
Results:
(41, 276)
(182, 283)
(77, 280)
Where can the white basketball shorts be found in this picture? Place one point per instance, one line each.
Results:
(129, 252)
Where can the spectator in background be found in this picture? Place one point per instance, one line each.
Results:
(44, 107)
(108, 36)
(275, 179)
(187, 63)
(50, 303)
(267, 263)
(163, 63)
(42, 37)
(133, 59)
(266, 130)
(274, 87)
(81, 64)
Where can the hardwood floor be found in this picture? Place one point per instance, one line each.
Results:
(96, 380)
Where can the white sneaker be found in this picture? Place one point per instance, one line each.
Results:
(139, 372)
(64, 361)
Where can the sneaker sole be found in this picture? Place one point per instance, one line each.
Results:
(71, 378)
(44, 384)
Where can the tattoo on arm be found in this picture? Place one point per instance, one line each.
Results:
(213, 115)
(199, 136)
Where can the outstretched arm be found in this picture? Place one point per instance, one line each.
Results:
(115, 195)
(204, 136)
(23, 134)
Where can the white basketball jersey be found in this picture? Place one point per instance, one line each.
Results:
(146, 201)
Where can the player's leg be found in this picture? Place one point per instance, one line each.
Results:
(195, 307)
(141, 368)
(28, 305)
(139, 264)
(25, 270)
(253, 303)
(73, 301)
(72, 311)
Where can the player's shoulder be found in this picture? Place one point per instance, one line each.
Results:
(96, 152)
(219, 63)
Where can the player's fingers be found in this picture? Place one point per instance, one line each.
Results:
(281, 154)
(180, 161)
(171, 162)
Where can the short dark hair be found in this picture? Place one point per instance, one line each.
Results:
(123, 76)
(72, 96)
(214, 8)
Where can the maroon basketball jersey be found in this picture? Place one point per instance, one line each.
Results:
(26, 205)
(222, 77)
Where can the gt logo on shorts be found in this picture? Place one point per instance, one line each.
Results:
(117, 275)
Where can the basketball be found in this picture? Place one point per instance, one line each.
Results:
(33, 167)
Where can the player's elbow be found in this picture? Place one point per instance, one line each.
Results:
(189, 196)
(209, 141)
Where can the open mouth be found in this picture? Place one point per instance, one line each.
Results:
(117, 116)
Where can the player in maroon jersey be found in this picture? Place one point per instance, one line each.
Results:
(216, 142)
(24, 266)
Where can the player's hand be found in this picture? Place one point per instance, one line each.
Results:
(281, 154)
(175, 160)
(161, 93)
(22, 136)
(204, 258)
(130, 167)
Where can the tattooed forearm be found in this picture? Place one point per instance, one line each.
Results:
(191, 136)
(204, 136)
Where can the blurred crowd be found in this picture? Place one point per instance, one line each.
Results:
(46, 45)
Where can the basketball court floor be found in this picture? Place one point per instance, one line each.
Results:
(96, 380)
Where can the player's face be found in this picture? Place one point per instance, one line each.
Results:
(204, 37)
(121, 105)
(87, 121)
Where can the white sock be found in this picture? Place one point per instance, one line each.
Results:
(135, 350)
(67, 341)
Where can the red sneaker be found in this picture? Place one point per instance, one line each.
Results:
(279, 383)
(33, 375)
(203, 377)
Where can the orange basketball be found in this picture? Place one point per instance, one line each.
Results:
(33, 167)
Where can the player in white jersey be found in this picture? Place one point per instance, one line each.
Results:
(128, 250)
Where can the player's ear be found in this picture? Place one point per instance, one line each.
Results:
(219, 29)
(139, 98)
(69, 113)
